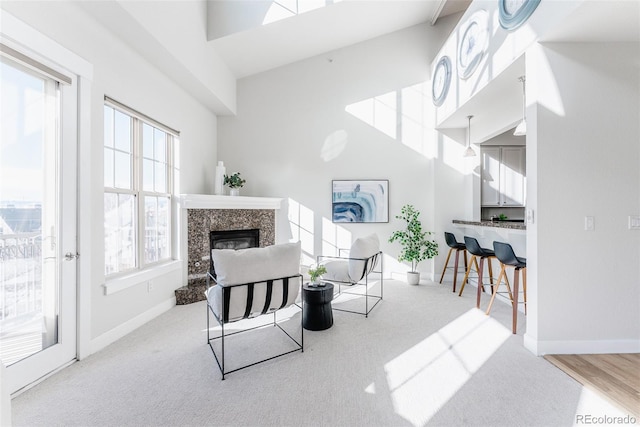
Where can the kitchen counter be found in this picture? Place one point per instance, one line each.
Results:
(512, 225)
(487, 232)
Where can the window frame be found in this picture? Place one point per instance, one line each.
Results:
(137, 188)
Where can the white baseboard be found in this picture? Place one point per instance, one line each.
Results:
(120, 331)
(540, 348)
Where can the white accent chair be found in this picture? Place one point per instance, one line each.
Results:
(250, 283)
(354, 269)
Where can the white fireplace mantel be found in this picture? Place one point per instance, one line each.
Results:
(207, 201)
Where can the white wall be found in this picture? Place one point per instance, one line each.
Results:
(122, 74)
(360, 112)
(583, 159)
(5, 398)
(181, 28)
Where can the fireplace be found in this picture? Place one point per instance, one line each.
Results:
(233, 239)
(221, 214)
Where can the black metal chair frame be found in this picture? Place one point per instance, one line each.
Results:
(369, 267)
(221, 360)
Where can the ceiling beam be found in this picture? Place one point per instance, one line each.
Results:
(438, 11)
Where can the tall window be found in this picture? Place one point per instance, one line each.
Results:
(138, 181)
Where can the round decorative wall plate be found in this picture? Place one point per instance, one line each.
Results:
(441, 81)
(514, 13)
(473, 43)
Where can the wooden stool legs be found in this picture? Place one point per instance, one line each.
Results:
(480, 285)
(455, 266)
(516, 286)
(503, 274)
(524, 288)
(479, 269)
(444, 269)
(514, 301)
(472, 262)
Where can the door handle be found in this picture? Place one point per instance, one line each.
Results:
(70, 257)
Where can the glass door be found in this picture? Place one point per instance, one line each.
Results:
(37, 223)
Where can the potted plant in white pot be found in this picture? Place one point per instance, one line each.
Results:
(315, 273)
(234, 182)
(416, 246)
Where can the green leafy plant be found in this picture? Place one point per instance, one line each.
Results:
(416, 246)
(234, 181)
(315, 273)
(502, 217)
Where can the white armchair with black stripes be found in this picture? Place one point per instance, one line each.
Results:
(353, 267)
(252, 282)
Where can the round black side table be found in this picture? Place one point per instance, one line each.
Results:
(318, 314)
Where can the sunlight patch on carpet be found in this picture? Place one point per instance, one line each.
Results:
(594, 409)
(422, 379)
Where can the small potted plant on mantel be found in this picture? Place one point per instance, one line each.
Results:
(235, 183)
(415, 245)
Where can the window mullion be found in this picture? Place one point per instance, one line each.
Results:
(137, 172)
(161, 240)
(118, 191)
(169, 163)
(170, 189)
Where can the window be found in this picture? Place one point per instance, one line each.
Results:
(138, 182)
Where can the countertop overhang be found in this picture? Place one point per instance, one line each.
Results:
(495, 224)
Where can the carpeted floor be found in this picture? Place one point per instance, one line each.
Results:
(423, 357)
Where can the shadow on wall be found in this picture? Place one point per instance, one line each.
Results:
(405, 115)
(301, 225)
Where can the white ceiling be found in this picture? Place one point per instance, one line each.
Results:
(325, 29)
(600, 21)
(346, 22)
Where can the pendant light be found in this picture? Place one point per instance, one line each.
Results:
(521, 129)
(469, 151)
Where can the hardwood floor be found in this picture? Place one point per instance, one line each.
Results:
(616, 376)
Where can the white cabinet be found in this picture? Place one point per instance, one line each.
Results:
(490, 176)
(503, 176)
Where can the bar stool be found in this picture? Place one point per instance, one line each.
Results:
(507, 257)
(473, 247)
(454, 245)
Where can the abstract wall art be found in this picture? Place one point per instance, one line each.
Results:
(365, 200)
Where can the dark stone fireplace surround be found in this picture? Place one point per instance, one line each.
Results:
(200, 221)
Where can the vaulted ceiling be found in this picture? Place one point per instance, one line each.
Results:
(254, 36)
(207, 44)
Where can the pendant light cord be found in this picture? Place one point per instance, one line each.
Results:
(524, 99)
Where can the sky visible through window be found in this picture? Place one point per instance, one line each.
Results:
(26, 123)
(22, 118)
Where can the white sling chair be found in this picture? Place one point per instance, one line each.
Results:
(354, 269)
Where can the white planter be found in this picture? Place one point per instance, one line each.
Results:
(234, 192)
(413, 277)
